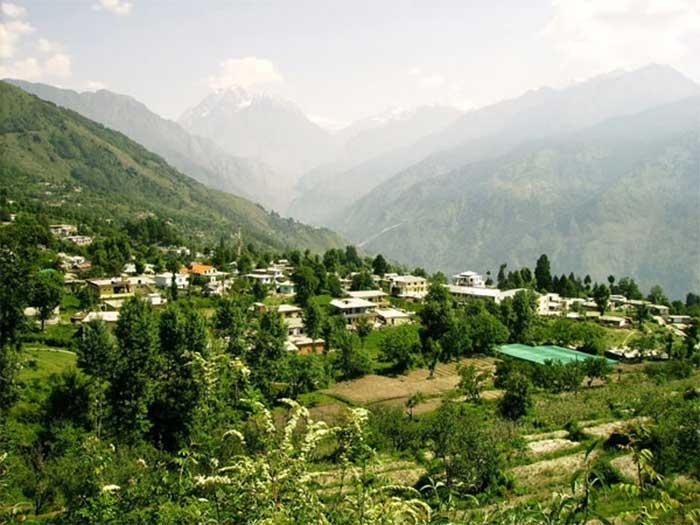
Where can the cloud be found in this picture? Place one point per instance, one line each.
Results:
(10, 34)
(27, 69)
(55, 63)
(431, 81)
(12, 10)
(45, 46)
(58, 65)
(95, 85)
(245, 72)
(118, 7)
(328, 123)
(599, 35)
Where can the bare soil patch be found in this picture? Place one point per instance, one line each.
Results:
(375, 388)
(547, 446)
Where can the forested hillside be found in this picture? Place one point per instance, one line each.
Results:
(61, 159)
(192, 155)
(619, 197)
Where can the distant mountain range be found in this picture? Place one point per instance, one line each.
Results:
(262, 127)
(58, 158)
(448, 189)
(621, 197)
(329, 188)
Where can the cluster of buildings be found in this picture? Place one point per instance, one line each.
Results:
(68, 233)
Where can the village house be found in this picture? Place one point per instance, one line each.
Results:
(613, 321)
(374, 296)
(469, 279)
(106, 317)
(550, 304)
(659, 309)
(679, 319)
(165, 279)
(305, 345)
(120, 288)
(408, 286)
(262, 278)
(110, 287)
(392, 316)
(204, 271)
(62, 230)
(353, 309)
(78, 240)
(286, 288)
(470, 293)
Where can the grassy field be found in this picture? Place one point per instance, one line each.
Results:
(41, 361)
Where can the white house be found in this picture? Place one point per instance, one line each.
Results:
(469, 279)
(408, 286)
(353, 309)
(373, 296)
(164, 280)
(469, 293)
(392, 316)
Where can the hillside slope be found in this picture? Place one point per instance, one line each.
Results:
(192, 155)
(621, 197)
(66, 160)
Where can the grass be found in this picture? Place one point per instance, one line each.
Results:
(41, 361)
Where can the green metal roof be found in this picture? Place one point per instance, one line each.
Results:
(540, 354)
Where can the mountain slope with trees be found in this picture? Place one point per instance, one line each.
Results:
(57, 158)
(620, 197)
(195, 156)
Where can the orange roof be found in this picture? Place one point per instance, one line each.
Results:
(197, 268)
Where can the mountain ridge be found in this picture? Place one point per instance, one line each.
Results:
(196, 156)
(60, 158)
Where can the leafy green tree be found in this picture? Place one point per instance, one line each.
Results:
(351, 361)
(306, 284)
(437, 315)
(485, 332)
(471, 382)
(88, 297)
(413, 401)
(183, 337)
(657, 296)
(304, 373)
(379, 265)
(352, 259)
(13, 298)
(46, 294)
(266, 358)
(543, 274)
(516, 399)
(133, 377)
(601, 296)
(401, 346)
(97, 350)
(364, 328)
(362, 281)
(523, 315)
(467, 454)
(596, 368)
(259, 290)
(333, 285)
(313, 321)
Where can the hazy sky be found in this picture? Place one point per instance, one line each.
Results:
(340, 61)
